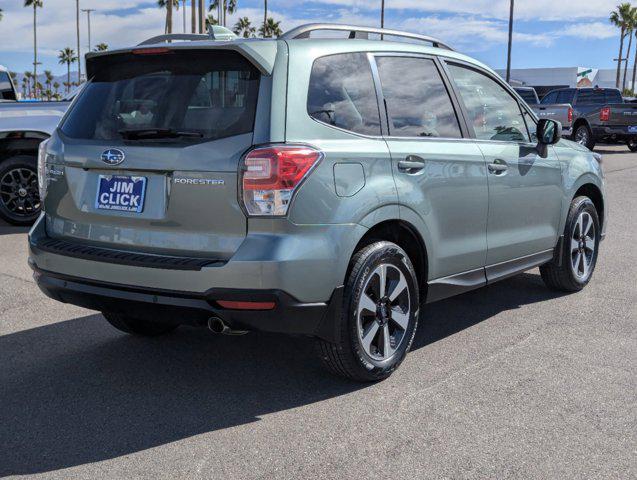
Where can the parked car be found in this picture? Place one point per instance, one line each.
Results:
(309, 186)
(600, 115)
(561, 112)
(23, 125)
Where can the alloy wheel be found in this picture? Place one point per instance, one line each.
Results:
(583, 246)
(19, 192)
(383, 312)
(581, 136)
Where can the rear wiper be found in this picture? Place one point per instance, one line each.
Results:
(142, 133)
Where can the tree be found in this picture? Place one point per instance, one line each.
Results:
(48, 80)
(24, 87)
(271, 29)
(632, 24)
(67, 56)
(28, 76)
(244, 28)
(101, 47)
(265, 15)
(211, 20)
(227, 6)
(621, 19)
(35, 4)
(56, 87)
(1, 14)
(168, 5)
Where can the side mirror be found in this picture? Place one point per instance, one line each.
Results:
(549, 132)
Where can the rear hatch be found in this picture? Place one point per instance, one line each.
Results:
(151, 151)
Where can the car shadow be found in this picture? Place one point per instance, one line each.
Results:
(6, 229)
(78, 391)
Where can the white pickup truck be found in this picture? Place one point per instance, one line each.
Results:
(23, 126)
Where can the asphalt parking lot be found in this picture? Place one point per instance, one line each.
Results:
(510, 381)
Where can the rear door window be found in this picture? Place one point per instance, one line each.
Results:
(565, 96)
(418, 104)
(195, 95)
(342, 93)
(550, 98)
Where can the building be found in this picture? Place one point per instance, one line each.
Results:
(545, 79)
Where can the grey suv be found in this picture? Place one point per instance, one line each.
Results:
(309, 186)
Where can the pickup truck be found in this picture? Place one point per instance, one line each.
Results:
(600, 115)
(562, 112)
(23, 126)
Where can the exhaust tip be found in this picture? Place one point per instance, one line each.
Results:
(217, 325)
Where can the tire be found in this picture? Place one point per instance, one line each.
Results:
(572, 275)
(19, 195)
(584, 136)
(368, 357)
(137, 326)
(631, 143)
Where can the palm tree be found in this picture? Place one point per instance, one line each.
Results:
(227, 6)
(35, 4)
(28, 76)
(621, 19)
(244, 28)
(101, 47)
(67, 56)
(271, 29)
(211, 20)
(265, 15)
(56, 87)
(632, 23)
(168, 5)
(24, 87)
(48, 80)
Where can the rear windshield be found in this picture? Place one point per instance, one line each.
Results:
(528, 96)
(196, 95)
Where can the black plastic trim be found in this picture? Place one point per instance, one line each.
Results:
(122, 257)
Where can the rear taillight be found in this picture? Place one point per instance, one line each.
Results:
(570, 115)
(604, 114)
(270, 176)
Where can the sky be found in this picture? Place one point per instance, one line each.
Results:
(547, 33)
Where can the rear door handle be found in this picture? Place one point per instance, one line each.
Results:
(498, 167)
(411, 164)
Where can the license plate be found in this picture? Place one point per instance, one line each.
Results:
(121, 193)
(632, 129)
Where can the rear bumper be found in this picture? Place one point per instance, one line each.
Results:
(288, 316)
(620, 131)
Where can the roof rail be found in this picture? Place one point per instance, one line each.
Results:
(304, 31)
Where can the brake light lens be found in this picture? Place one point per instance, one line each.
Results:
(151, 51)
(271, 175)
(570, 115)
(604, 114)
(42, 179)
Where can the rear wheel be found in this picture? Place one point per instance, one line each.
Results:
(19, 195)
(579, 252)
(379, 315)
(632, 144)
(584, 136)
(137, 326)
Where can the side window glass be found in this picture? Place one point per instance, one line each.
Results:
(418, 104)
(565, 96)
(493, 112)
(342, 93)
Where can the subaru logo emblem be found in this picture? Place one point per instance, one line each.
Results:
(113, 156)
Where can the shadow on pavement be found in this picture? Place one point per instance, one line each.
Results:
(77, 391)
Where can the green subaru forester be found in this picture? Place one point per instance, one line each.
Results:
(309, 185)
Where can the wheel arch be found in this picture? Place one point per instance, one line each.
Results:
(593, 192)
(20, 142)
(581, 121)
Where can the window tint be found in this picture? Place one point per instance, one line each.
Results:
(6, 90)
(591, 97)
(565, 96)
(550, 98)
(208, 95)
(418, 104)
(342, 93)
(613, 96)
(493, 112)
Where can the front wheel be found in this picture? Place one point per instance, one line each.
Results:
(379, 315)
(579, 252)
(631, 143)
(138, 326)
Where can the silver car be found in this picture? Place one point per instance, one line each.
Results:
(309, 186)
